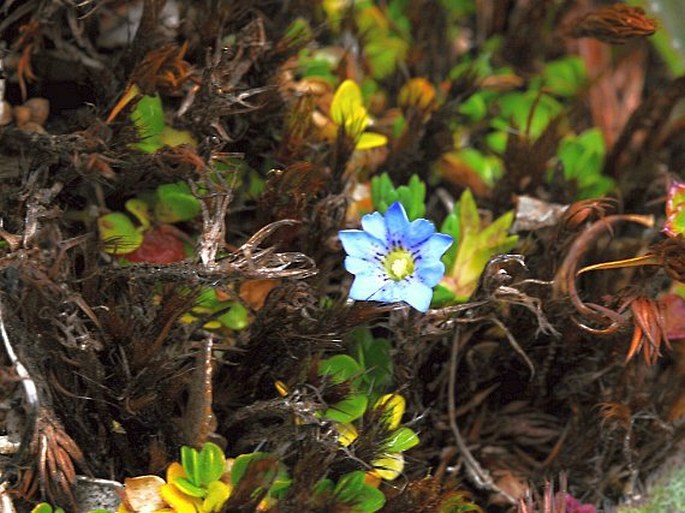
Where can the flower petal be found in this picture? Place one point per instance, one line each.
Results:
(419, 230)
(360, 244)
(434, 247)
(365, 286)
(356, 265)
(411, 291)
(418, 295)
(375, 225)
(430, 273)
(397, 224)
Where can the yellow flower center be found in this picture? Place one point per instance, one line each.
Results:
(399, 264)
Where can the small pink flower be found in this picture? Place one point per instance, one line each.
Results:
(573, 505)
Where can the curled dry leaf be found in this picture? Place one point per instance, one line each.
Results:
(650, 330)
(615, 24)
(142, 494)
(254, 292)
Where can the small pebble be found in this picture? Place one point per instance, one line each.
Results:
(40, 109)
(5, 114)
(22, 115)
(33, 127)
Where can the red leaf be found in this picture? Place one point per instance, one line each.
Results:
(674, 314)
(160, 246)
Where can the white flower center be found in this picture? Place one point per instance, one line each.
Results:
(399, 264)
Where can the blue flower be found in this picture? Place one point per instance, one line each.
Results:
(394, 259)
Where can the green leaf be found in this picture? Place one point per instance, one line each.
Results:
(474, 107)
(317, 64)
(119, 234)
(516, 107)
(412, 196)
(400, 440)
(583, 160)
(442, 296)
(189, 488)
(349, 485)
(190, 461)
(175, 203)
(469, 220)
(487, 167)
(298, 32)
(497, 141)
(237, 318)
(212, 463)
(565, 77)
(352, 491)
(148, 116)
(374, 356)
(347, 410)
(207, 300)
(323, 487)
(278, 479)
(281, 484)
(451, 226)
(42, 507)
(416, 197)
(383, 55)
(242, 463)
(368, 500)
(340, 368)
(381, 187)
(457, 503)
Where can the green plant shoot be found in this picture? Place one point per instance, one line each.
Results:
(148, 118)
(474, 246)
(412, 196)
(201, 468)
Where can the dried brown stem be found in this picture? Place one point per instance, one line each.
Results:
(565, 279)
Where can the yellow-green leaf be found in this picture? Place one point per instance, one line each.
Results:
(188, 488)
(347, 109)
(179, 501)
(388, 466)
(369, 140)
(141, 210)
(393, 405)
(119, 234)
(172, 137)
(217, 495)
(347, 433)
